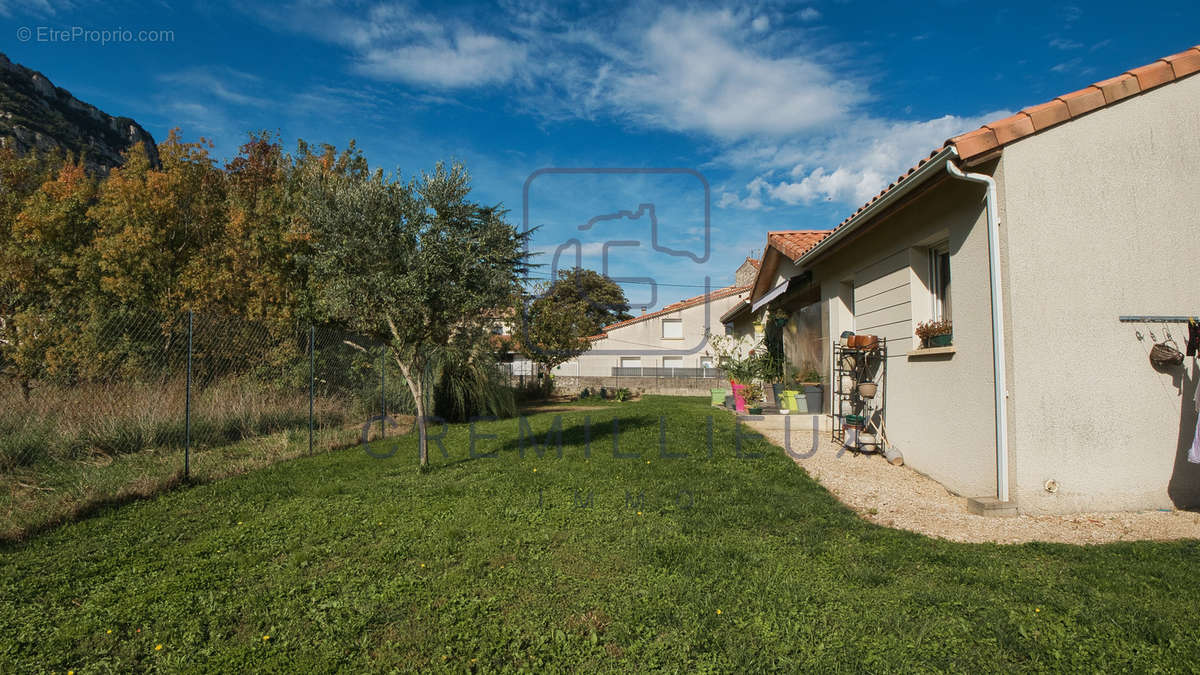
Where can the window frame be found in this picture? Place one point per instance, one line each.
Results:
(938, 287)
(672, 321)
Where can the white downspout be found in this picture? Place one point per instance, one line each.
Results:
(999, 370)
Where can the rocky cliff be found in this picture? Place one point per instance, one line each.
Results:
(35, 114)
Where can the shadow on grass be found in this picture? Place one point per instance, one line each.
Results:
(141, 490)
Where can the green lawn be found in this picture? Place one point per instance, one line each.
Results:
(493, 564)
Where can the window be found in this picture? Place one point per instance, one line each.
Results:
(672, 362)
(631, 362)
(729, 329)
(939, 277)
(672, 329)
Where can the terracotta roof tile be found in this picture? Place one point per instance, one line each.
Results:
(1076, 103)
(1119, 87)
(682, 304)
(1011, 128)
(795, 243)
(976, 142)
(1045, 115)
(1048, 114)
(1083, 101)
(754, 262)
(1185, 62)
(1153, 74)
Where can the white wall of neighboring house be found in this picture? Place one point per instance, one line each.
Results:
(644, 339)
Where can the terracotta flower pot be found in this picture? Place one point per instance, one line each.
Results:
(867, 389)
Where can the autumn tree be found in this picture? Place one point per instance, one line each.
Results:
(414, 265)
(560, 316)
(157, 227)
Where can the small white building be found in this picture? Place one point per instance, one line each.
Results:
(671, 342)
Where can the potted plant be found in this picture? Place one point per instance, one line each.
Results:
(936, 333)
(810, 390)
(736, 357)
(754, 393)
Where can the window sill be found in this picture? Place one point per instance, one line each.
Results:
(931, 351)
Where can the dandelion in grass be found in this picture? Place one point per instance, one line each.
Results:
(718, 611)
(158, 648)
(266, 637)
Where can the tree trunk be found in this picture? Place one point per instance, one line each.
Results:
(414, 387)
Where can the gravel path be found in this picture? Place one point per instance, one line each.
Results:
(897, 496)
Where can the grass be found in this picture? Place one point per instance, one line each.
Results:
(342, 561)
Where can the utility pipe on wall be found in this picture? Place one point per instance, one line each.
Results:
(999, 370)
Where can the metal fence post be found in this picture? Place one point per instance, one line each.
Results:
(312, 378)
(382, 395)
(187, 409)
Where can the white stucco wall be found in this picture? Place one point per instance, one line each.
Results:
(1101, 219)
(640, 337)
(939, 410)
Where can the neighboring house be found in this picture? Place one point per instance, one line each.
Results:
(673, 338)
(1033, 235)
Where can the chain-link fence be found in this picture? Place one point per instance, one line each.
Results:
(132, 404)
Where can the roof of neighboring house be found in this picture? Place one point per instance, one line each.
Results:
(675, 307)
(794, 243)
(981, 143)
(753, 261)
(735, 311)
(791, 244)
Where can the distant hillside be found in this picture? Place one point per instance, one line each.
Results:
(35, 114)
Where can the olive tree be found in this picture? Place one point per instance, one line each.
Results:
(413, 265)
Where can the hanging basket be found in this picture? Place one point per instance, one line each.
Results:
(1165, 355)
(867, 389)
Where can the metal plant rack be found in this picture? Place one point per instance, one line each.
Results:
(861, 366)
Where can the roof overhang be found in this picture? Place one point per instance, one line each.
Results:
(742, 307)
(802, 280)
(936, 166)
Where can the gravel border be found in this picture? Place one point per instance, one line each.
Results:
(899, 497)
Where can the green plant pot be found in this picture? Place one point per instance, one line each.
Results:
(941, 340)
(718, 396)
(787, 400)
(754, 411)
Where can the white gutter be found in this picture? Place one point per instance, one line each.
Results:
(998, 367)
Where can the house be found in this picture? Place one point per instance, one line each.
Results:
(671, 342)
(1038, 236)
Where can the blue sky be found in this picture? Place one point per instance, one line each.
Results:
(791, 113)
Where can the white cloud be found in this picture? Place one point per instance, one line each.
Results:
(849, 166)
(462, 60)
(761, 23)
(1067, 66)
(1065, 44)
(698, 72)
(809, 14)
(398, 44)
(221, 84)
